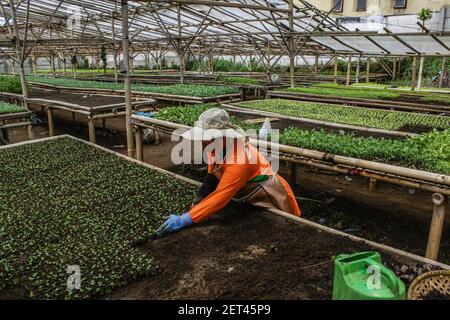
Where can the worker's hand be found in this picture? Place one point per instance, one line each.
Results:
(173, 224)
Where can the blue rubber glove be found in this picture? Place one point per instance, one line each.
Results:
(174, 223)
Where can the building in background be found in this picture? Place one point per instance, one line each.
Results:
(396, 15)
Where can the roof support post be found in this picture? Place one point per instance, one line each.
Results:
(74, 66)
(349, 69)
(441, 76)
(368, 70)
(419, 81)
(64, 63)
(413, 71)
(34, 64)
(210, 62)
(114, 50)
(316, 63)
(335, 68)
(5, 64)
(13, 63)
(358, 61)
(19, 51)
(52, 63)
(291, 45)
(131, 59)
(127, 80)
(180, 51)
(394, 68)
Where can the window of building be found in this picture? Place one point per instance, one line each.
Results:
(399, 4)
(361, 5)
(338, 5)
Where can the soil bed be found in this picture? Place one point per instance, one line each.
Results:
(246, 254)
(419, 100)
(87, 100)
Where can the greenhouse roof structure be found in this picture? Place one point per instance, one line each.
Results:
(266, 27)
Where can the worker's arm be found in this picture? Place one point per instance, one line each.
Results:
(210, 184)
(233, 179)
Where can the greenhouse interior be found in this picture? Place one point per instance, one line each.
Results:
(224, 150)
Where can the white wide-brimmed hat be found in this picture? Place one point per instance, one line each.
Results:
(211, 124)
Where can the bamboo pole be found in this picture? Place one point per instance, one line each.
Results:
(30, 133)
(64, 64)
(33, 64)
(437, 224)
(139, 147)
(52, 63)
(74, 66)
(336, 69)
(91, 126)
(51, 127)
(413, 70)
(19, 52)
(394, 68)
(419, 81)
(291, 46)
(368, 70)
(113, 31)
(441, 76)
(349, 70)
(127, 79)
(180, 51)
(357, 69)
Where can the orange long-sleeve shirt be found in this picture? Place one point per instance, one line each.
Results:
(233, 175)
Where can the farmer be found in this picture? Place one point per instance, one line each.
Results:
(235, 169)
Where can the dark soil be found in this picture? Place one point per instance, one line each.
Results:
(246, 254)
(87, 100)
(415, 129)
(419, 101)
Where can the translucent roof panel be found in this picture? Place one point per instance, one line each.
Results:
(360, 43)
(424, 44)
(331, 43)
(445, 40)
(392, 45)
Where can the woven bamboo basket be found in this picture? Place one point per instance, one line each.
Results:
(438, 281)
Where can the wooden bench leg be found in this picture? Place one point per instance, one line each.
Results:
(30, 132)
(91, 126)
(437, 224)
(51, 127)
(139, 146)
